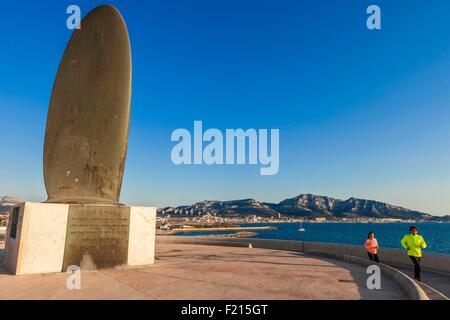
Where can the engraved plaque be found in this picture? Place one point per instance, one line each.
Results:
(97, 236)
(14, 222)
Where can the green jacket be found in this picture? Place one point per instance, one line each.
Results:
(415, 243)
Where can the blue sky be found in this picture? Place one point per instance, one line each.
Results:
(361, 113)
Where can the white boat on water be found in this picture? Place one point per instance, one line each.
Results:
(301, 229)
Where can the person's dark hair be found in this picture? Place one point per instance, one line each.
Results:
(370, 232)
(413, 228)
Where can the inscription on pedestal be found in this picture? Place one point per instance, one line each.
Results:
(97, 236)
(14, 222)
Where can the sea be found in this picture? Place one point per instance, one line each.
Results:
(436, 235)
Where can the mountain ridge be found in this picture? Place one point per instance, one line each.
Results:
(304, 205)
(8, 201)
(301, 206)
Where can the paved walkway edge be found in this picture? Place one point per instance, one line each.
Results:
(410, 287)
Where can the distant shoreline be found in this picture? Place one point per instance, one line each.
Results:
(209, 229)
(389, 234)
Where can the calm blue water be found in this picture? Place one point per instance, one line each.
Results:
(436, 235)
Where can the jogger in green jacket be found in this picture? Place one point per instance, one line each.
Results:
(414, 243)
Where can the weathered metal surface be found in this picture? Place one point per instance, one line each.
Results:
(88, 118)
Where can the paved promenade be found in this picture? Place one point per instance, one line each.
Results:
(210, 272)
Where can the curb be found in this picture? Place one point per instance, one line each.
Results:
(408, 285)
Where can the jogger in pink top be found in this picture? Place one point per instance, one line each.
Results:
(372, 247)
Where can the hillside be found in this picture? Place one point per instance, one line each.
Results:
(303, 205)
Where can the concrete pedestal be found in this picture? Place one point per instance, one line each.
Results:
(47, 237)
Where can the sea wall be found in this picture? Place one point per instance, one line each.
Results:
(438, 263)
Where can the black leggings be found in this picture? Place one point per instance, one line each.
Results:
(416, 261)
(373, 257)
